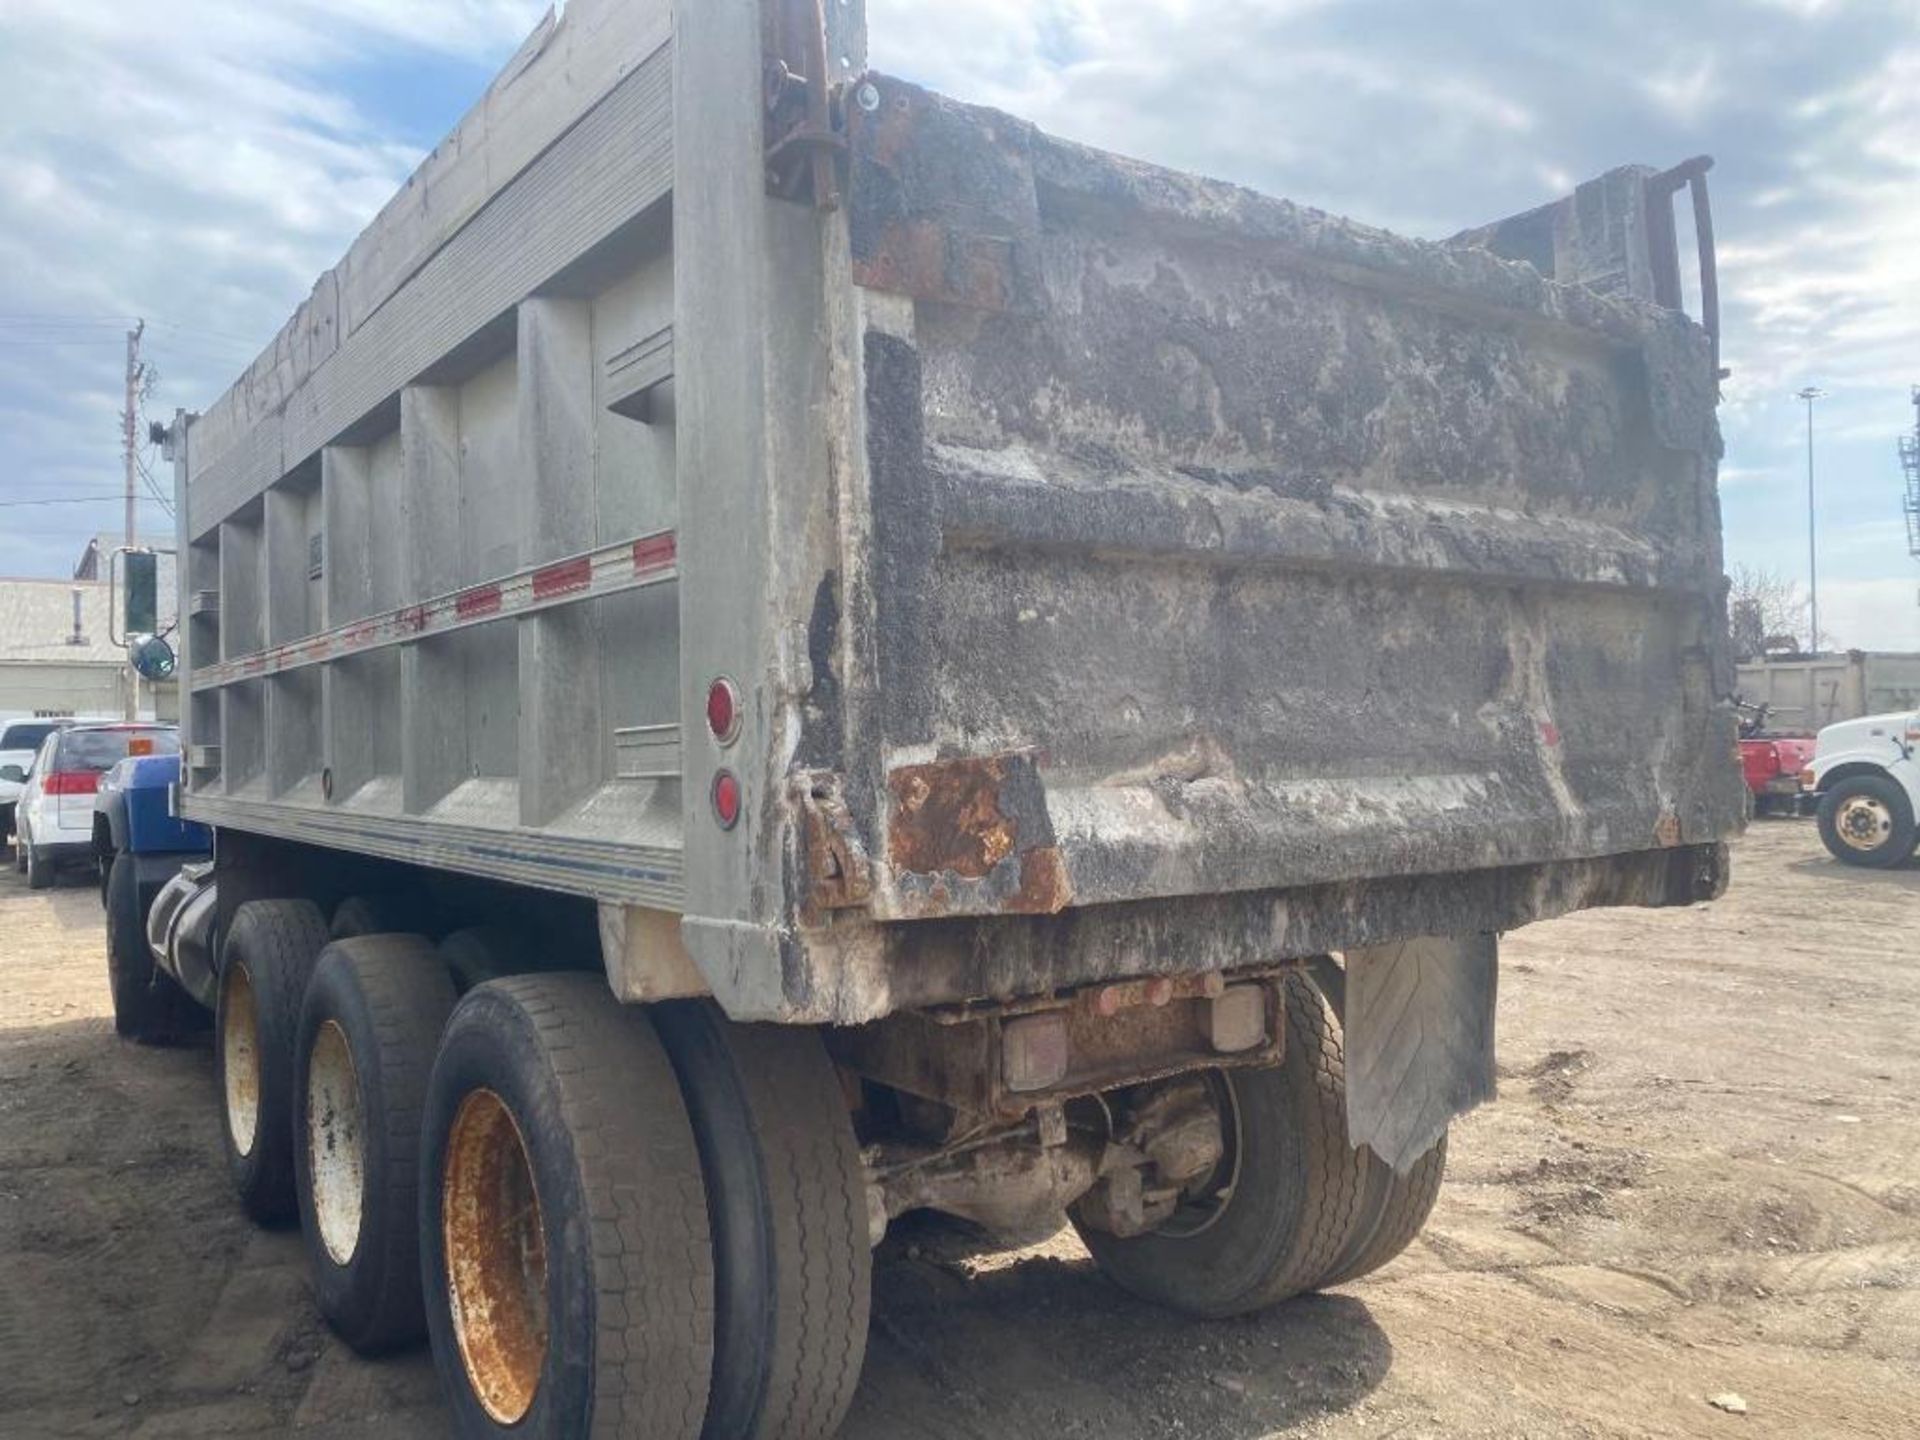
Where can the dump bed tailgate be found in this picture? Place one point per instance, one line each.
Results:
(1220, 545)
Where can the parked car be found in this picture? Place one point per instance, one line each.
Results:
(20, 740)
(54, 814)
(1868, 780)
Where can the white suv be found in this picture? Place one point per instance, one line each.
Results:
(55, 810)
(20, 741)
(1868, 779)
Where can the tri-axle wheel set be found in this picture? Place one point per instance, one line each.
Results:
(656, 1222)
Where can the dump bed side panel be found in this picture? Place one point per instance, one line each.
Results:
(431, 586)
(1220, 545)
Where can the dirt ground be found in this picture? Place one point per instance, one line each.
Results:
(1702, 1180)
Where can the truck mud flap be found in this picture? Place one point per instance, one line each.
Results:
(1419, 1040)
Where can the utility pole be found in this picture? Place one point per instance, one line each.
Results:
(130, 429)
(1910, 462)
(1811, 394)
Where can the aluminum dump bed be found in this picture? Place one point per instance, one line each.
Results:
(1115, 572)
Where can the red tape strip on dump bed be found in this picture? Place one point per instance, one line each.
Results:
(626, 565)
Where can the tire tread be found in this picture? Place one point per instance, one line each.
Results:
(645, 1206)
(1335, 1175)
(407, 996)
(817, 1198)
(280, 941)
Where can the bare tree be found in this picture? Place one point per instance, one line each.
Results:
(1766, 612)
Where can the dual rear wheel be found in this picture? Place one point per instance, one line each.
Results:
(1294, 1205)
(616, 1222)
(606, 1222)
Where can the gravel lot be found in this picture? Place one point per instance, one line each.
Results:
(1702, 1180)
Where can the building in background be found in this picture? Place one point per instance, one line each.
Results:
(57, 656)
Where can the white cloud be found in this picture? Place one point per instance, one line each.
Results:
(1687, 90)
(197, 161)
(1872, 614)
(203, 161)
(1432, 118)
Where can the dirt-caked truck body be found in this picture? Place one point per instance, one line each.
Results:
(771, 649)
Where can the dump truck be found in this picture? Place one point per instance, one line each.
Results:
(771, 649)
(1808, 693)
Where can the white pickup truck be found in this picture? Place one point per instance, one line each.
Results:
(1868, 780)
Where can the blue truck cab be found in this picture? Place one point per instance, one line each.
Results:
(133, 812)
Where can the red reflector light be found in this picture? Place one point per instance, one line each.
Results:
(723, 710)
(140, 745)
(73, 782)
(726, 799)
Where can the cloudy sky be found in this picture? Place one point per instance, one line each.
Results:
(198, 162)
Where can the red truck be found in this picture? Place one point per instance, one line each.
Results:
(1771, 762)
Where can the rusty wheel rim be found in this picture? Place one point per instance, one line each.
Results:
(336, 1153)
(240, 1058)
(495, 1240)
(1864, 823)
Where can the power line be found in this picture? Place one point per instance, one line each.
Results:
(22, 341)
(252, 341)
(73, 500)
(190, 349)
(153, 486)
(57, 321)
(31, 320)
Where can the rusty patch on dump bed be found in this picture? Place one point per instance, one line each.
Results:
(972, 836)
(947, 816)
(1043, 882)
(942, 202)
(922, 259)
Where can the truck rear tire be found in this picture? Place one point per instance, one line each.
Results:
(493, 952)
(786, 1200)
(396, 913)
(1393, 1214)
(1868, 820)
(563, 1221)
(369, 1027)
(148, 1007)
(1393, 1208)
(266, 963)
(1289, 1192)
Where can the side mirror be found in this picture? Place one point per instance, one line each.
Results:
(14, 774)
(140, 580)
(153, 658)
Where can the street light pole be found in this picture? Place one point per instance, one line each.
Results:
(1811, 394)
